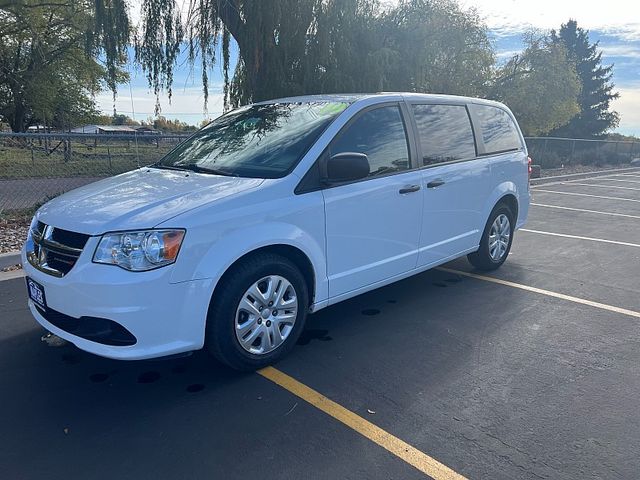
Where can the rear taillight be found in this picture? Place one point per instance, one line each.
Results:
(529, 169)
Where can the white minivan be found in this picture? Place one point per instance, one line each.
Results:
(270, 212)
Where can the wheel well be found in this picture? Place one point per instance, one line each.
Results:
(297, 256)
(512, 203)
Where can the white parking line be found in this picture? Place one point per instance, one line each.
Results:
(615, 171)
(584, 210)
(606, 186)
(619, 180)
(562, 296)
(577, 237)
(564, 179)
(598, 177)
(629, 175)
(589, 195)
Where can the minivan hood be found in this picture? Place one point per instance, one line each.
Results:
(139, 199)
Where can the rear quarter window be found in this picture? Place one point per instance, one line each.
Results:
(499, 133)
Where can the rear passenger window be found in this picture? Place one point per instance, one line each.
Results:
(445, 133)
(380, 135)
(499, 133)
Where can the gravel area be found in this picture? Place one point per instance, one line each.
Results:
(13, 232)
(11, 268)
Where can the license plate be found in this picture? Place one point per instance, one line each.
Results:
(36, 293)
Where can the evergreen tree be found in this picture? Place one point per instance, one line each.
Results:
(595, 118)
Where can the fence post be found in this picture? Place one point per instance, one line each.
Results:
(573, 149)
(110, 165)
(33, 160)
(633, 144)
(66, 144)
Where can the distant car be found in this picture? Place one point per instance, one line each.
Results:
(272, 211)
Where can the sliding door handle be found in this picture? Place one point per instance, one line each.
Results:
(435, 183)
(409, 189)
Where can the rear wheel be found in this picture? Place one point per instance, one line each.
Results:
(258, 312)
(495, 243)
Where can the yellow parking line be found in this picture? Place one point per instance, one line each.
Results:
(399, 448)
(562, 296)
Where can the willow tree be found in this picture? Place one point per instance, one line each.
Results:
(272, 36)
(289, 47)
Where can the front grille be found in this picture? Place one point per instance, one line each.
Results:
(54, 250)
(71, 239)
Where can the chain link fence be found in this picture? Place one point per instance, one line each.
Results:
(35, 167)
(552, 152)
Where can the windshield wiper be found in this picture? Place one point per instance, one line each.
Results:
(166, 167)
(211, 171)
(192, 168)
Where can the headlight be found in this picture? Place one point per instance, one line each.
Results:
(139, 251)
(32, 227)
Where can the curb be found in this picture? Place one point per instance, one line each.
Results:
(8, 259)
(578, 176)
(11, 275)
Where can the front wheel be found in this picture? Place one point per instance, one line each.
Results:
(495, 243)
(258, 313)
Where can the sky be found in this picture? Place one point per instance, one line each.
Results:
(614, 23)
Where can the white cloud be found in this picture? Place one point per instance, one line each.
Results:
(620, 50)
(513, 16)
(507, 54)
(628, 106)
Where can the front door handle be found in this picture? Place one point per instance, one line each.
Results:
(435, 183)
(409, 189)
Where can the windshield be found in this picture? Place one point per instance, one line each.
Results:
(260, 141)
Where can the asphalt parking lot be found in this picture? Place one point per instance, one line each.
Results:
(529, 372)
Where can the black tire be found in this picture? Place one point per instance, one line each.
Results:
(221, 339)
(482, 259)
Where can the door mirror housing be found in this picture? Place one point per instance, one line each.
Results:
(346, 167)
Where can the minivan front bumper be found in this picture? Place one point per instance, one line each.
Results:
(108, 311)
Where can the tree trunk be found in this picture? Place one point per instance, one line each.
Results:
(257, 54)
(18, 121)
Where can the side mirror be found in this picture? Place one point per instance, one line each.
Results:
(346, 167)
